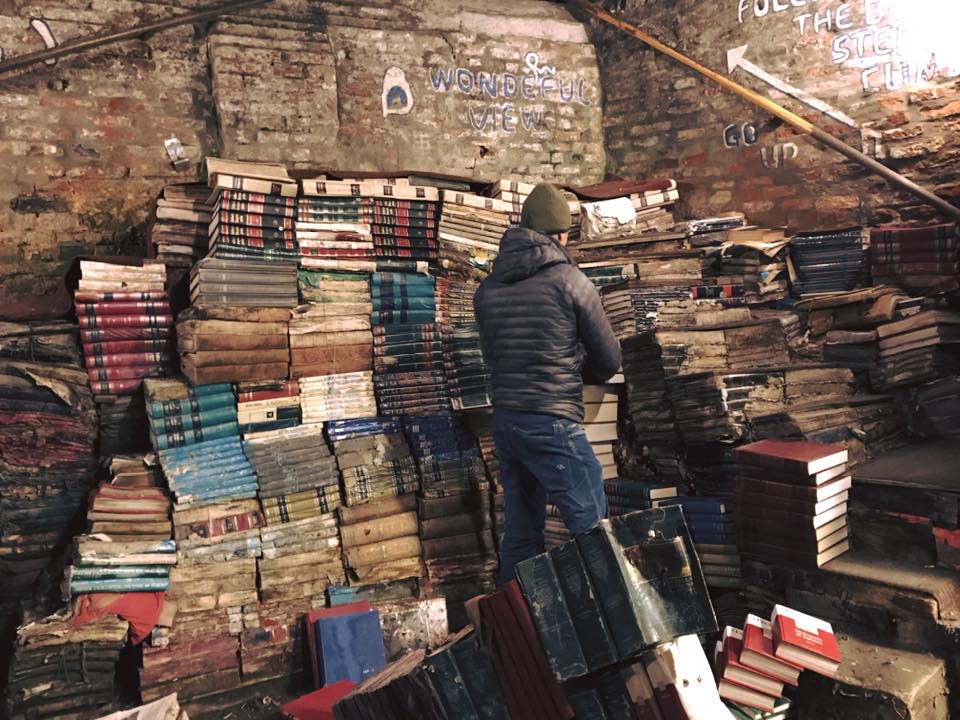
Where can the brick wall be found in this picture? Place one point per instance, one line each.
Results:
(296, 81)
(662, 119)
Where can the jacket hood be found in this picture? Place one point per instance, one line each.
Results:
(524, 253)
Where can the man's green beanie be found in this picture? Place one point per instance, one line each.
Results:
(545, 210)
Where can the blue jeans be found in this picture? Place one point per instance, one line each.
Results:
(541, 455)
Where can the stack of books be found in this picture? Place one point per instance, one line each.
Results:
(712, 524)
(296, 472)
(325, 238)
(250, 283)
(253, 211)
(407, 346)
(181, 415)
(915, 258)
(792, 502)
(332, 335)
(480, 423)
(138, 475)
(208, 471)
(601, 405)
(632, 305)
(380, 540)
(180, 233)
(918, 348)
(47, 459)
(648, 405)
(468, 378)
(828, 261)
(58, 667)
(317, 286)
(936, 408)
(267, 406)
(233, 344)
(374, 459)
(727, 346)
(125, 324)
(628, 215)
(705, 232)
(470, 230)
(337, 397)
(555, 532)
(758, 258)
(755, 663)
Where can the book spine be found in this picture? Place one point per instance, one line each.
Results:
(94, 360)
(480, 679)
(115, 387)
(94, 296)
(909, 268)
(198, 421)
(119, 374)
(596, 641)
(132, 333)
(551, 617)
(124, 321)
(449, 684)
(125, 347)
(190, 406)
(84, 309)
(585, 703)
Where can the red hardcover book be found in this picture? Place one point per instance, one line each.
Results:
(759, 505)
(734, 692)
(135, 372)
(788, 491)
(916, 268)
(289, 389)
(115, 387)
(96, 360)
(805, 640)
(122, 347)
(757, 651)
(227, 524)
(737, 672)
(242, 196)
(93, 296)
(793, 456)
(131, 333)
(124, 321)
(153, 307)
(250, 219)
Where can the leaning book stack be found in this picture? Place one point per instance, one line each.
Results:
(250, 283)
(180, 233)
(468, 377)
(470, 230)
(332, 337)
(125, 325)
(915, 258)
(792, 502)
(712, 524)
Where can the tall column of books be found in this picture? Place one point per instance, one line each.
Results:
(126, 333)
(470, 230)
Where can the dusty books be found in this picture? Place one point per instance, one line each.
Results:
(181, 415)
(337, 397)
(253, 283)
(796, 529)
(468, 378)
(208, 471)
(125, 324)
(828, 261)
(380, 540)
(267, 406)
(179, 233)
(374, 459)
(712, 524)
(470, 230)
(915, 258)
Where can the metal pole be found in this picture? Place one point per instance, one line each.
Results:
(74, 46)
(774, 108)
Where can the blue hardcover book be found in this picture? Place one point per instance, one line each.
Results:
(717, 527)
(349, 647)
(200, 404)
(713, 538)
(700, 505)
(165, 437)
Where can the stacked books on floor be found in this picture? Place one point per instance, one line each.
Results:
(325, 237)
(331, 335)
(705, 232)
(182, 415)
(124, 518)
(792, 502)
(712, 525)
(735, 345)
(47, 464)
(337, 397)
(407, 346)
(600, 412)
(233, 343)
(253, 211)
(470, 230)
(753, 664)
(920, 347)
(296, 472)
(381, 540)
(632, 305)
(180, 233)
(125, 324)
(628, 215)
(756, 260)
(374, 459)
(249, 283)
(480, 423)
(468, 378)
(266, 406)
(915, 258)
(827, 261)
(63, 669)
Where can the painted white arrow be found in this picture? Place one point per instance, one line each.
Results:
(736, 60)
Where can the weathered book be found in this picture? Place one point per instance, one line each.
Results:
(596, 640)
(379, 529)
(682, 680)
(805, 640)
(349, 646)
(642, 561)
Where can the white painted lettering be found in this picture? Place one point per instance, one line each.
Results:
(884, 40)
(842, 19)
(780, 6)
(872, 13)
(840, 52)
(801, 21)
(740, 10)
(761, 7)
(508, 118)
(824, 21)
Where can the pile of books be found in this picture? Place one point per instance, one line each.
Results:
(126, 518)
(756, 258)
(208, 471)
(916, 258)
(337, 397)
(125, 324)
(233, 344)
(792, 502)
(936, 408)
(181, 415)
(60, 668)
(296, 472)
(331, 229)
(729, 346)
(705, 232)
(253, 208)
(601, 404)
(828, 261)
(468, 378)
(180, 233)
(47, 461)
(628, 215)
(470, 230)
(266, 406)
(921, 347)
(753, 664)
(712, 524)
(407, 346)
(250, 283)
(331, 333)
(480, 424)
(374, 459)
(381, 540)
(632, 305)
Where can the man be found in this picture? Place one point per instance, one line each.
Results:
(541, 326)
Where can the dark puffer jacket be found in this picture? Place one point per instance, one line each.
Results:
(541, 325)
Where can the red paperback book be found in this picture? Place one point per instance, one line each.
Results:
(805, 640)
(757, 651)
(793, 456)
